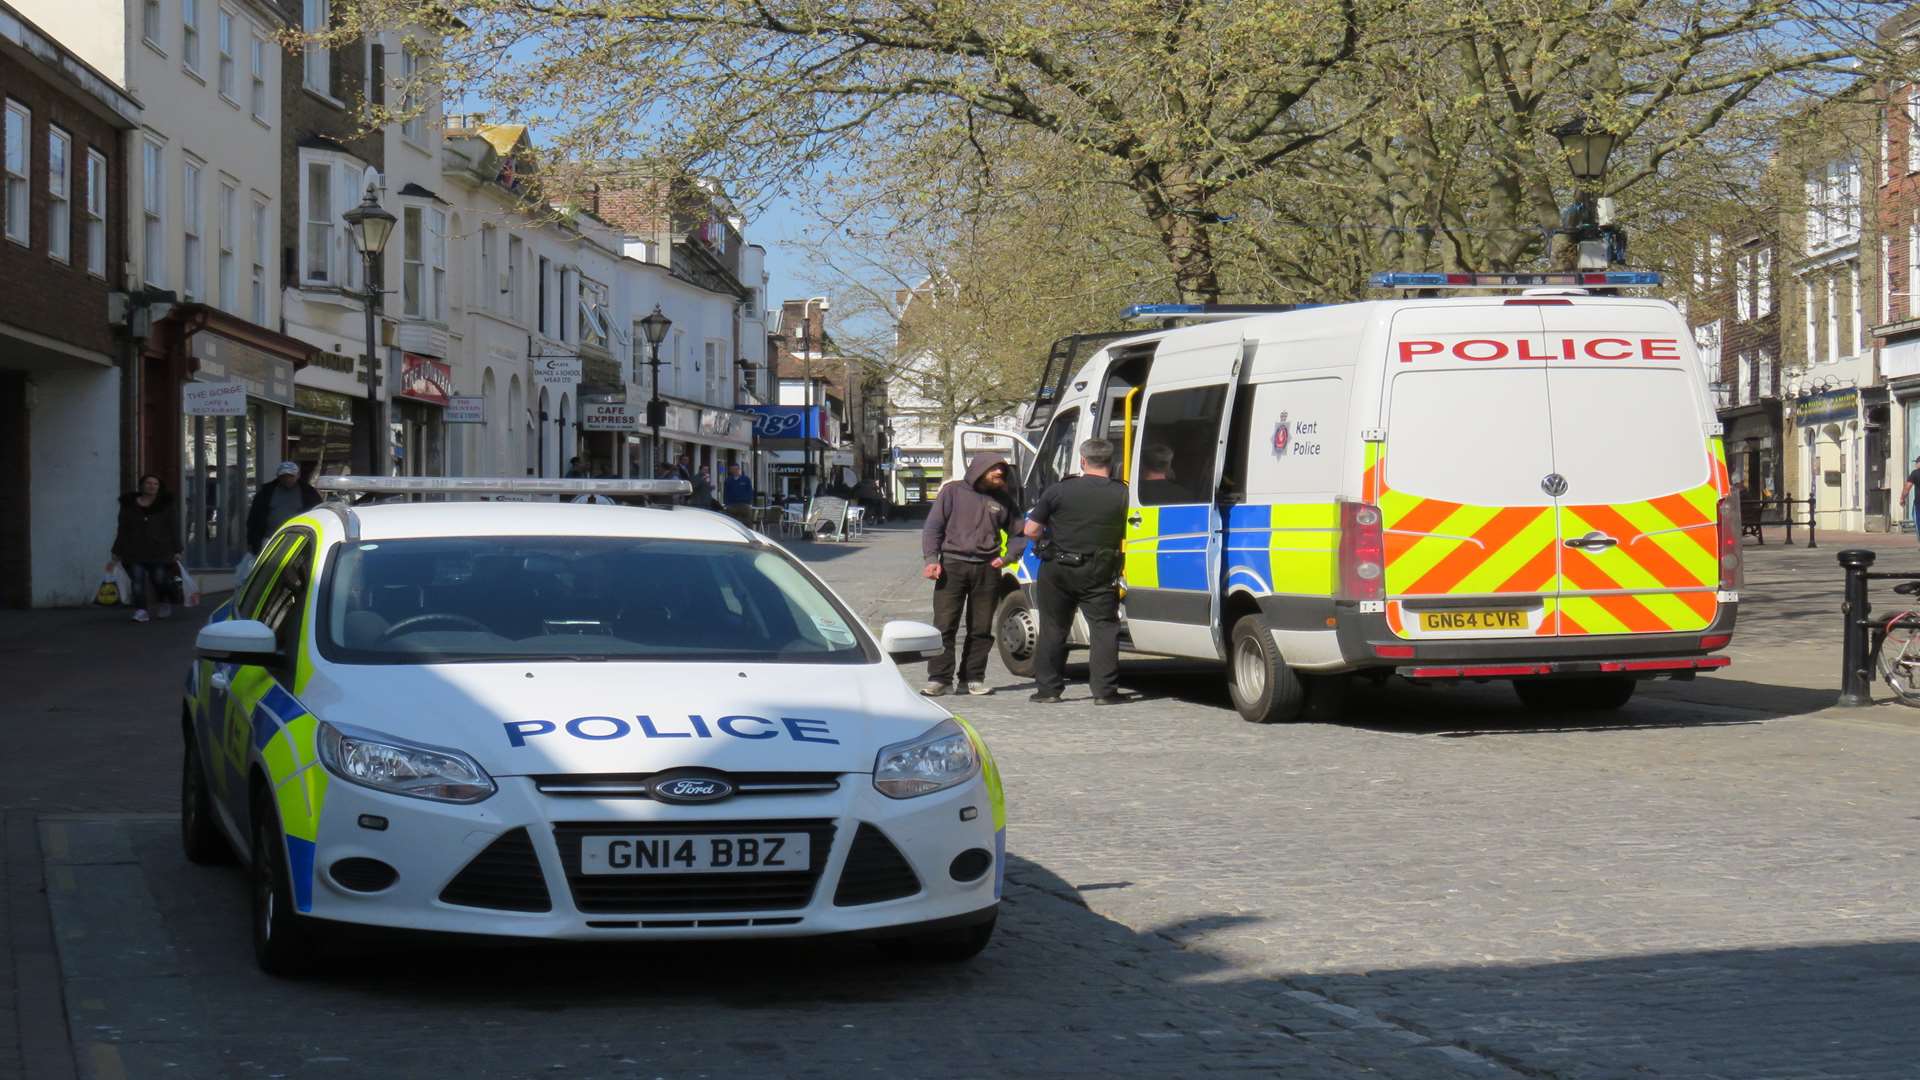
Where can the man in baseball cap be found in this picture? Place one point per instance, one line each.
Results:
(283, 497)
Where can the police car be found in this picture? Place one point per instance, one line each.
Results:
(577, 722)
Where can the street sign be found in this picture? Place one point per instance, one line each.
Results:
(608, 416)
(465, 409)
(558, 370)
(214, 398)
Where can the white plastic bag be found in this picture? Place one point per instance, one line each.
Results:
(189, 588)
(123, 582)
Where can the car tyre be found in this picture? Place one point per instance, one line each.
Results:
(1016, 627)
(1264, 689)
(200, 835)
(285, 943)
(955, 945)
(1594, 694)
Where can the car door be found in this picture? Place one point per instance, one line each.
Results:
(218, 734)
(260, 696)
(1172, 549)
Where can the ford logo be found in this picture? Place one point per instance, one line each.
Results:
(691, 789)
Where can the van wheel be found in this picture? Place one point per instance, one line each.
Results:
(1016, 629)
(285, 942)
(1594, 694)
(1263, 687)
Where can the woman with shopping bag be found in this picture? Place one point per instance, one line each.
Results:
(147, 545)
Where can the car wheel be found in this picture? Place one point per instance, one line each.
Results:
(1016, 631)
(1264, 689)
(1595, 694)
(200, 835)
(952, 946)
(284, 942)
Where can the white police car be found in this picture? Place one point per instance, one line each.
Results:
(574, 722)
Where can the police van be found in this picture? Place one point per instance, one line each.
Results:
(1526, 484)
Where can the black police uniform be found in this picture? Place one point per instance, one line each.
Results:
(1087, 519)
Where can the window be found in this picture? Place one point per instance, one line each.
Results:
(415, 125)
(1833, 319)
(594, 328)
(19, 167)
(257, 67)
(1766, 374)
(1763, 274)
(226, 54)
(1744, 387)
(1178, 440)
(96, 213)
(1743, 288)
(414, 266)
(1886, 279)
(59, 195)
(1816, 211)
(437, 263)
(1807, 295)
(1055, 457)
(229, 264)
(486, 287)
(191, 227)
(261, 239)
(190, 34)
(542, 298)
(710, 365)
(1886, 142)
(513, 276)
(1856, 309)
(318, 60)
(150, 23)
(316, 198)
(153, 242)
(1913, 128)
(564, 303)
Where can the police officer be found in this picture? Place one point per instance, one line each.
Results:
(1085, 516)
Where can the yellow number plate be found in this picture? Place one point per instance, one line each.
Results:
(1465, 619)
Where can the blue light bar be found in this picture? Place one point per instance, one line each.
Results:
(1155, 311)
(1577, 279)
(1206, 311)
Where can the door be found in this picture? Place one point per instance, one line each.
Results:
(1465, 478)
(222, 731)
(970, 441)
(1175, 531)
(260, 697)
(1639, 521)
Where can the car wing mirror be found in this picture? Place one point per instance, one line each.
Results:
(906, 640)
(238, 641)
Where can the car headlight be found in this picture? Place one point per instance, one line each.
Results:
(935, 761)
(388, 763)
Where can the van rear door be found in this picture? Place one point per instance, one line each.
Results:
(1471, 528)
(1639, 521)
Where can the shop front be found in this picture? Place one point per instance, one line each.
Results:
(418, 423)
(1753, 442)
(917, 476)
(791, 446)
(1828, 427)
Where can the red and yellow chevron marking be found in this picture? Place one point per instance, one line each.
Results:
(1660, 578)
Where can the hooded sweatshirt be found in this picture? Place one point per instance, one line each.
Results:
(966, 522)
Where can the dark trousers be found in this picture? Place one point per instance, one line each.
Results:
(1089, 588)
(150, 582)
(975, 586)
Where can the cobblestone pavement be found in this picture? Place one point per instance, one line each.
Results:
(1717, 882)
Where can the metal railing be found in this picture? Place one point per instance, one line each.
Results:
(1757, 515)
(1862, 635)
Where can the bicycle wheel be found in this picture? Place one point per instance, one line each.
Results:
(1900, 657)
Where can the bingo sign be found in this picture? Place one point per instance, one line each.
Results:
(608, 416)
(214, 398)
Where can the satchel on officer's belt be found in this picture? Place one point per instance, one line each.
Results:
(1050, 552)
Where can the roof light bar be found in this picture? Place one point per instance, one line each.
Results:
(494, 485)
(1400, 279)
(1137, 312)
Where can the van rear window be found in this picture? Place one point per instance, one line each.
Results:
(1470, 435)
(1626, 434)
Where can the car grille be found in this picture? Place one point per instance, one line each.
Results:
(875, 871)
(648, 894)
(506, 876)
(633, 785)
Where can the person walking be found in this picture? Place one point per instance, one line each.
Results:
(147, 543)
(703, 488)
(736, 494)
(962, 544)
(284, 497)
(1906, 497)
(1083, 519)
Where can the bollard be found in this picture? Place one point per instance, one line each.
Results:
(1813, 492)
(1855, 681)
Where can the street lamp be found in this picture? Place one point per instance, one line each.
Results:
(806, 356)
(1587, 145)
(654, 328)
(371, 226)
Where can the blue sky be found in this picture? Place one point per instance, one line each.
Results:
(777, 228)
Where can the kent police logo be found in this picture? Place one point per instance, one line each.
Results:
(1280, 436)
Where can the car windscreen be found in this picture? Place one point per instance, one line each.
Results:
(475, 599)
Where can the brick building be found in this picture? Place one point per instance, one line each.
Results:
(1733, 308)
(1896, 325)
(62, 369)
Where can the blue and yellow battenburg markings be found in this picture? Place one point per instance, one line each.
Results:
(997, 795)
(1283, 548)
(1168, 548)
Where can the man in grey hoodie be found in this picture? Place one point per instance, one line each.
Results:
(964, 546)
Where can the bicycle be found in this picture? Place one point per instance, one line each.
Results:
(1901, 668)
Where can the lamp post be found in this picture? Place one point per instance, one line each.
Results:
(654, 328)
(371, 225)
(806, 358)
(1587, 145)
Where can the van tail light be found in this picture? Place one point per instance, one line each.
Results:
(1729, 545)
(1363, 553)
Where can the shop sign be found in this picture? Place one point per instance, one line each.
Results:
(935, 458)
(608, 416)
(265, 376)
(785, 421)
(558, 370)
(466, 409)
(425, 379)
(227, 397)
(1834, 406)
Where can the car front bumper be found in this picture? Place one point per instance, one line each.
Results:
(517, 847)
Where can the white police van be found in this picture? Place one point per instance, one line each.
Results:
(1525, 484)
(577, 722)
